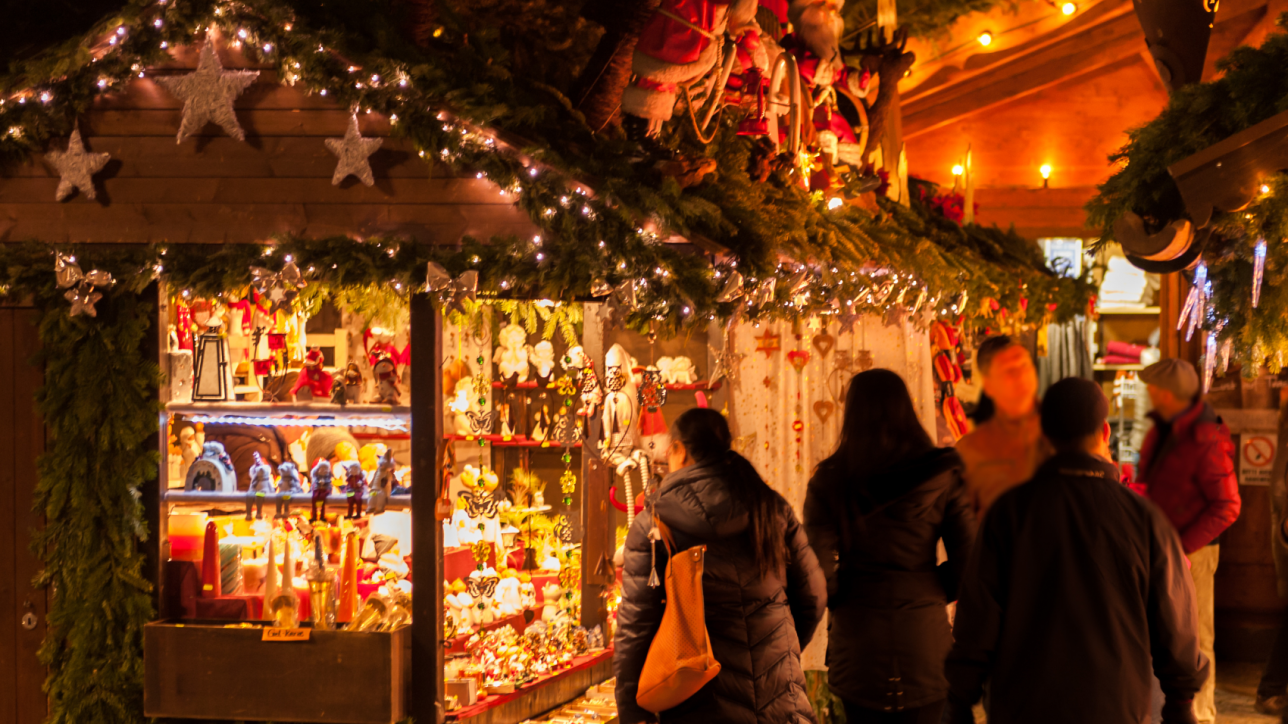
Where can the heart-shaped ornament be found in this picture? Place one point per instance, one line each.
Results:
(798, 359)
(824, 342)
(824, 409)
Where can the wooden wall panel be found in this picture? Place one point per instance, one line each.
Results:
(214, 189)
(9, 546)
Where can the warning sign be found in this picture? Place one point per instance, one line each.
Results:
(1257, 457)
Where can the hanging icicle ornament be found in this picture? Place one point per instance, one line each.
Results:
(1209, 361)
(1226, 347)
(1195, 304)
(1258, 270)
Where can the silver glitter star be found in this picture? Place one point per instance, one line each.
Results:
(208, 94)
(726, 364)
(76, 166)
(353, 150)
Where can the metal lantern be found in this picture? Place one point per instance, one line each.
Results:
(213, 380)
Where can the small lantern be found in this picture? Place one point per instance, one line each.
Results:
(213, 379)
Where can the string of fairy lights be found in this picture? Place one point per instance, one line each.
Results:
(636, 255)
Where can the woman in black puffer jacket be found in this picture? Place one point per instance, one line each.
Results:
(875, 512)
(763, 589)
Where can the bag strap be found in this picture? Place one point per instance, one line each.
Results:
(664, 532)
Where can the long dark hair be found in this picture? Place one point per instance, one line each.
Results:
(880, 429)
(707, 440)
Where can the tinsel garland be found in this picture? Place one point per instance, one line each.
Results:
(100, 406)
(1253, 88)
(442, 95)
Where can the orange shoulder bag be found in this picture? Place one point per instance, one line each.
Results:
(679, 660)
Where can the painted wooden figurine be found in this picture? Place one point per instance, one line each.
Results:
(381, 484)
(313, 380)
(288, 484)
(353, 383)
(385, 374)
(321, 477)
(261, 484)
(355, 484)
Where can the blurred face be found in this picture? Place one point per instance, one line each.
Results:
(1165, 401)
(676, 456)
(1012, 381)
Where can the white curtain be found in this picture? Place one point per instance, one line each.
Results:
(771, 398)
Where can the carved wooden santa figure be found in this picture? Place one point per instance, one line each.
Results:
(682, 43)
(313, 380)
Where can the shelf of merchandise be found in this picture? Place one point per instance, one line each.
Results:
(509, 441)
(551, 690)
(297, 500)
(1142, 311)
(701, 386)
(1116, 368)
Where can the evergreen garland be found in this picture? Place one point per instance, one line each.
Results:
(99, 404)
(614, 235)
(1253, 88)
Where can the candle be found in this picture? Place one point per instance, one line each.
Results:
(185, 532)
(348, 580)
(210, 568)
(270, 577)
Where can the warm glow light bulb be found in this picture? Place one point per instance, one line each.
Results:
(1068, 8)
(958, 170)
(985, 38)
(1265, 189)
(835, 202)
(1045, 170)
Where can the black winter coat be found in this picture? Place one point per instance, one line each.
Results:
(757, 625)
(888, 633)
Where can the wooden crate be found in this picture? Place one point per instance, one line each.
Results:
(213, 672)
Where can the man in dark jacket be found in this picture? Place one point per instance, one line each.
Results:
(1187, 469)
(757, 624)
(1074, 586)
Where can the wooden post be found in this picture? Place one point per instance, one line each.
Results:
(599, 538)
(1171, 298)
(426, 531)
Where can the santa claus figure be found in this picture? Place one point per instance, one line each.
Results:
(313, 380)
(682, 43)
(815, 41)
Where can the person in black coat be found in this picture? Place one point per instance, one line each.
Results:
(875, 512)
(763, 589)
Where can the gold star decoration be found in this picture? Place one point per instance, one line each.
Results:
(769, 343)
(75, 166)
(208, 94)
(352, 152)
(726, 364)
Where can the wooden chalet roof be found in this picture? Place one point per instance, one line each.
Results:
(1049, 89)
(212, 188)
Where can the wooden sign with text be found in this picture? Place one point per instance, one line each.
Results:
(285, 634)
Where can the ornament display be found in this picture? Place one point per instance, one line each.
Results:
(511, 355)
(313, 381)
(352, 153)
(288, 485)
(765, 292)
(620, 406)
(76, 167)
(213, 379)
(81, 288)
(823, 343)
(261, 485)
(281, 287)
(213, 471)
(798, 358)
(824, 409)
(1192, 313)
(453, 293)
(355, 487)
(208, 94)
(353, 383)
(321, 479)
(678, 370)
(1258, 270)
(769, 343)
(384, 377)
(732, 289)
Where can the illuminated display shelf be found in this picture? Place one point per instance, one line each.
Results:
(385, 417)
(179, 496)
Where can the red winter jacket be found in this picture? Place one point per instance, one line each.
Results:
(1191, 477)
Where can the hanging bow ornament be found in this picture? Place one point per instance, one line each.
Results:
(732, 290)
(765, 292)
(798, 286)
(452, 292)
(281, 288)
(81, 287)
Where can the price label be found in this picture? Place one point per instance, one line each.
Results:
(285, 634)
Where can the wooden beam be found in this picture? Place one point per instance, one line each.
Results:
(426, 680)
(236, 191)
(1098, 45)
